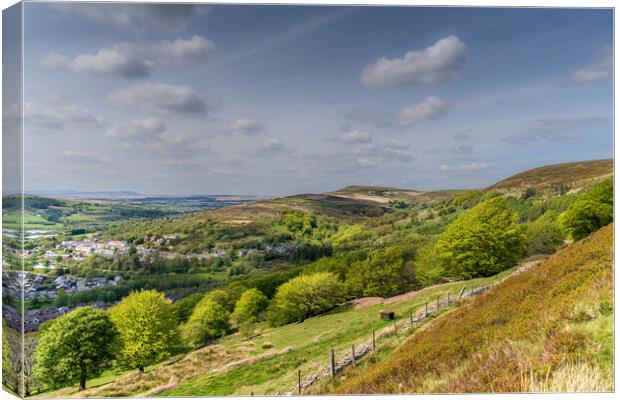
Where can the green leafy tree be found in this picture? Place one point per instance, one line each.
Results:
(61, 298)
(74, 347)
(146, 322)
(250, 306)
(485, 240)
(305, 296)
(544, 235)
(208, 321)
(384, 273)
(590, 212)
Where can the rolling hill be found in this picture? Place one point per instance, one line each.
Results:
(576, 175)
(547, 329)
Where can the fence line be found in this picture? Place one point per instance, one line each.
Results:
(360, 350)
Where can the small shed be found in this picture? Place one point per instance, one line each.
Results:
(387, 314)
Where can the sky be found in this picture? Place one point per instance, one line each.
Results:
(277, 100)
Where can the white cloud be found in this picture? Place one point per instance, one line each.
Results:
(138, 131)
(461, 136)
(385, 152)
(136, 17)
(160, 97)
(58, 117)
(271, 147)
(600, 69)
(438, 63)
(133, 60)
(246, 126)
(475, 166)
(356, 136)
(82, 157)
(431, 107)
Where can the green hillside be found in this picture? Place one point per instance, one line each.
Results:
(547, 329)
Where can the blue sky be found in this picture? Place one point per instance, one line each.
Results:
(276, 100)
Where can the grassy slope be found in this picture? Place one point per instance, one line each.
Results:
(548, 329)
(580, 174)
(310, 341)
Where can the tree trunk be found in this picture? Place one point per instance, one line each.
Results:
(82, 383)
(141, 368)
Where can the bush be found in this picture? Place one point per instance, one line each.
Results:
(146, 321)
(593, 210)
(250, 306)
(209, 321)
(305, 296)
(482, 242)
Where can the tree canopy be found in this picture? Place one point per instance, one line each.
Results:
(591, 211)
(208, 321)
(250, 306)
(485, 240)
(75, 347)
(146, 321)
(305, 296)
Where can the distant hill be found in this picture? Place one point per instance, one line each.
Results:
(549, 328)
(576, 175)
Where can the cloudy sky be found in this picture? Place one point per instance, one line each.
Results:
(186, 99)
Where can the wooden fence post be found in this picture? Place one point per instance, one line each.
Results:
(411, 319)
(395, 329)
(332, 362)
(426, 309)
(448, 297)
(299, 381)
(461, 292)
(353, 353)
(437, 302)
(373, 339)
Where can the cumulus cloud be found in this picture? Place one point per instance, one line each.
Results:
(138, 131)
(600, 69)
(436, 64)
(475, 166)
(160, 97)
(246, 126)
(431, 107)
(58, 117)
(134, 60)
(152, 134)
(382, 153)
(136, 17)
(271, 147)
(356, 136)
(82, 157)
(551, 129)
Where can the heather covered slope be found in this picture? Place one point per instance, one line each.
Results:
(547, 329)
(573, 176)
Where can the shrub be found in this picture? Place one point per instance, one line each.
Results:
(304, 297)
(250, 306)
